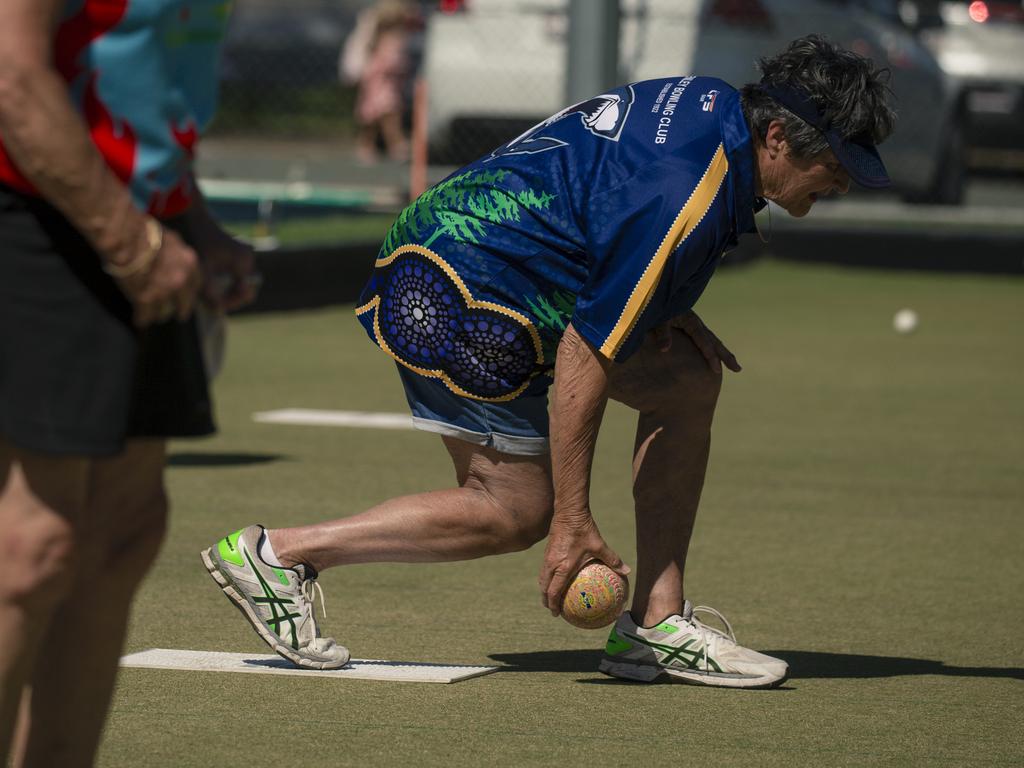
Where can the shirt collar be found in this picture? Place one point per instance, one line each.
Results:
(739, 148)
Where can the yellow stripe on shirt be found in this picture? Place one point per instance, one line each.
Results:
(690, 215)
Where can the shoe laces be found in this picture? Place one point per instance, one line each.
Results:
(708, 609)
(310, 589)
(704, 630)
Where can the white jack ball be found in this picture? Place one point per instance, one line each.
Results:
(904, 321)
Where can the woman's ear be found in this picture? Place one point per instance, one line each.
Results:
(775, 138)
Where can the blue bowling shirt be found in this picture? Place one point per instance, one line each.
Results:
(611, 214)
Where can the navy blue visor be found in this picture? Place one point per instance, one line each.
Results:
(856, 154)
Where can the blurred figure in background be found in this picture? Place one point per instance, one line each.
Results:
(377, 57)
(107, 247)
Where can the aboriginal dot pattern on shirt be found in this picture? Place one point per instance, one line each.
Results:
(429, 324)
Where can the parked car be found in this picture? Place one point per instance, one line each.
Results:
(981, 45)
(496, 67)
(292, 44)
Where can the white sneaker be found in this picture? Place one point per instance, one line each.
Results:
(684, 647)
(278, 602)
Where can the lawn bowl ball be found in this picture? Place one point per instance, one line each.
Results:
(595, 598)
(904, 321)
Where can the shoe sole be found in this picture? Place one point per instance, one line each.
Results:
(646, 673)
(242, 603)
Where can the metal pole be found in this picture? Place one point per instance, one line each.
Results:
(593, 58)
(418, 156)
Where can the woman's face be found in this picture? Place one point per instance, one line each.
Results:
(805, 180)
(797, 183)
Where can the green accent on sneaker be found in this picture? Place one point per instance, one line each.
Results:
(280, 575)
(667, 628)
(228, 548)
(616, 644)
(279, 613)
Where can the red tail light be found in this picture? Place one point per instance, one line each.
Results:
(994, 10)
(750, 14)
(451, 6)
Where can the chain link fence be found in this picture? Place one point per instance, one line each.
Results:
(279, 70)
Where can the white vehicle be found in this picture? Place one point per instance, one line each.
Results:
(496, 67)
(981, 45)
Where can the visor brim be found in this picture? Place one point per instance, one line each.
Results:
(861, 161)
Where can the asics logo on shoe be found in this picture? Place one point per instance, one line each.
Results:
(688, 655)
(279, 607)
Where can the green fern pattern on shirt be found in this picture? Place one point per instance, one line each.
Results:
(461, 208)
(555, 313)
(552, 315)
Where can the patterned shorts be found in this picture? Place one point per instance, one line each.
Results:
(518, 426)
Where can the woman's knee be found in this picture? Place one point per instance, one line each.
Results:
(701, 384)
(40, 556)
(517, 489)
(532, 530)
(41, 506)
(659, 379)
(526, 518)
(516, 518)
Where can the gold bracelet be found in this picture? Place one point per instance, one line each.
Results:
(141, 262)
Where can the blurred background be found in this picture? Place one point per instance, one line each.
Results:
(334, 112)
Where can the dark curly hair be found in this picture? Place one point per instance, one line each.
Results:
(847, 89)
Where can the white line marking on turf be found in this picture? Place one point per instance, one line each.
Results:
(310, 417)
(271, 664)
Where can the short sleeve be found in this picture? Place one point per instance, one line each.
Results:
(643, 238)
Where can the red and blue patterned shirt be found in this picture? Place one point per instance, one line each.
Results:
(143, 74)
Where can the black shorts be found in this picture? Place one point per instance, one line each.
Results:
(76, 377)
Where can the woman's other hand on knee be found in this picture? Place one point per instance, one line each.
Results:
(704, 339)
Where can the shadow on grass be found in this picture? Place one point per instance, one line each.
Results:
(802, 665)
(812, 664)
(582, 660)
(220, 459)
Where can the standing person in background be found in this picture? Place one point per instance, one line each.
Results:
(105, 248)
(377, 55)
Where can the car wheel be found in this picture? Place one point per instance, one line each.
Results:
(949, 179)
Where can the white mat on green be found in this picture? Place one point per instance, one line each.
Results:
(270, 664)
(316, 418)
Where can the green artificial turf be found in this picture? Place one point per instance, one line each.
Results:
(296, 230)
(862, 519)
